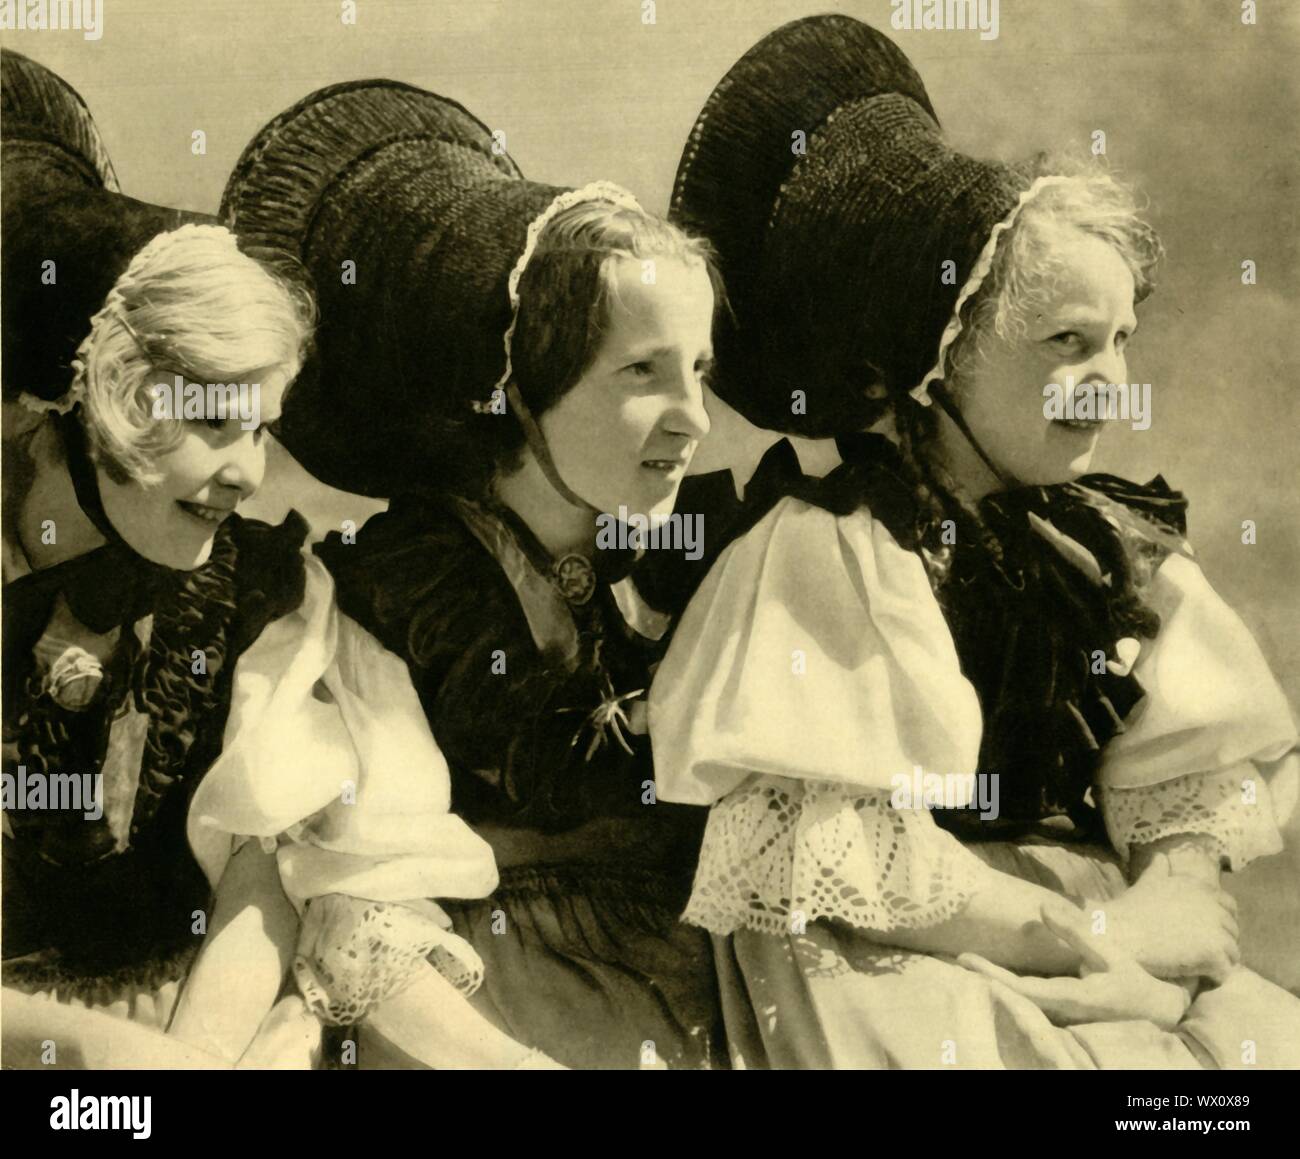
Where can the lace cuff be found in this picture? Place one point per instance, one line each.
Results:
(1232, 807)
(354, 953)
(778, 853)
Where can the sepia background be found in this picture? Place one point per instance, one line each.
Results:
(1198, 109)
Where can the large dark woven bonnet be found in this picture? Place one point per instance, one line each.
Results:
(405, 184)
(61, 204)
(834, 260)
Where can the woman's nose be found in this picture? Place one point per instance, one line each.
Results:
(1107, 365)
(245, 464)
(689, 416)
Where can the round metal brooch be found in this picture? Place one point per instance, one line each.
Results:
(575, 577)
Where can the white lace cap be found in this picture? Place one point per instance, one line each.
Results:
(113, 311)
(596, 191)
(983, 264)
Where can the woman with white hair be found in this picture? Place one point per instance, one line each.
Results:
(977, 735)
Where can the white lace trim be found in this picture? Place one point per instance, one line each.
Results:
(1232, 807)
(984, 263)
(354, 953)
(64, 403)
(778, 853)
(596, 191)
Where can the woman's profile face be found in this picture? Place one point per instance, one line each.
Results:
(215, 465)
(1077, 329)
(625, 434)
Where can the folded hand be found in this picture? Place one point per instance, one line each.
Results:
(1112, 986)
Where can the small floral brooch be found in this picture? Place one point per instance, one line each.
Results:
(74, 678)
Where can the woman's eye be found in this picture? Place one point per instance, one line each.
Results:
(215, 423)
(641, 369)
(1066, 338)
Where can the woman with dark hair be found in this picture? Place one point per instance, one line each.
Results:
(509, 364)
(959, 696)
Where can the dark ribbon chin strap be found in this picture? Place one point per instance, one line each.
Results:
(114, 584)
(940, 394)
(542, 453)
(81, 468)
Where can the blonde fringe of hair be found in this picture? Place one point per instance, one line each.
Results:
(189, 303)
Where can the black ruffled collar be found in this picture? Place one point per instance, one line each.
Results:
(255, 574)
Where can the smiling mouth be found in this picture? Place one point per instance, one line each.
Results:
(666, 466)
(1078, 424)
(213, 515)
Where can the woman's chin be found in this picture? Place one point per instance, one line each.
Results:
(1079, 465)
(1059, 468)
(655, 502)
(1058, 475)
(181, 552)
(664, 507)
(186, 561)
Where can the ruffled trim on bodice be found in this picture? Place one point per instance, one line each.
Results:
(211, 614)
(158, 707)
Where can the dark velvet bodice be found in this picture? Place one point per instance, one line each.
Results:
(73, 894)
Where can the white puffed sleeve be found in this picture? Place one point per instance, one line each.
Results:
(810, 681)
(328, 759)
(1205, 751)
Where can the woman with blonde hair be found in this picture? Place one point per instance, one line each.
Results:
(261, 802)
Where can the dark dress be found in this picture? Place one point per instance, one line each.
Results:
(94, 915)
(584, 956)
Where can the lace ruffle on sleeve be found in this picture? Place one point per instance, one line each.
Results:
(1233, 807)
(810, 674)
(328, 760)
(778, 853)
(1205, 750)
(353, 954)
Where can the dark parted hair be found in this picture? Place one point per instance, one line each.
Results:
(565, 303)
